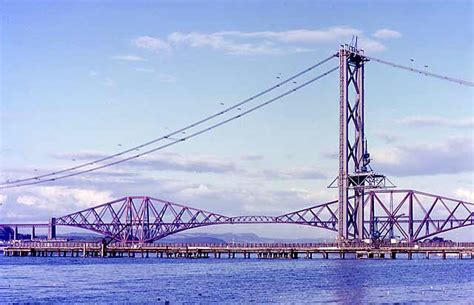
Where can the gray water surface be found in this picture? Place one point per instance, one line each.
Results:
(153, 280)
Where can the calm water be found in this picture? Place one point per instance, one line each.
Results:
(124, 280)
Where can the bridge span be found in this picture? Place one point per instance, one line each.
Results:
(409, 215)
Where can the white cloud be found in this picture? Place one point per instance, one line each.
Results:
(3, 198)
(332, 34)
(465, 194)
(218, 41)
(152, 43)
(27, 200)
(200, 190)
(370, 45)
(128, 58)
(423, 121)
(260, 42)
(268, 202)
(454, 155)
(62, 198)
(178, 162)
(166, 161)
(314, 197)
(295, 173)
(386, 33)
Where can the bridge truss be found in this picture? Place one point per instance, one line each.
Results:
(406, 214)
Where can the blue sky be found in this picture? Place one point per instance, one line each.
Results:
(79, 78)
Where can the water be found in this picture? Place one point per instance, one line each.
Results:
(152, 280)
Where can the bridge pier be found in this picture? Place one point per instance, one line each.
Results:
(52, 229)
(103, 248)
(33, 232)
(15, 233)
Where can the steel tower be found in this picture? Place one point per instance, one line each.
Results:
(355, 174)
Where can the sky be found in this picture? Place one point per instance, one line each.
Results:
(85, 79)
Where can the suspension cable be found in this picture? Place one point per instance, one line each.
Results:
(423, 72)
(169, 135)
(24, 183)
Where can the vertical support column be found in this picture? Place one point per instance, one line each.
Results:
(351, 150)
(15, 233)
(410, 216)
(103, 248)
(343, 139)
(52, 229)
(129, 219)
(33, 232)
(359, 143)
(146, 220)
(372, 215)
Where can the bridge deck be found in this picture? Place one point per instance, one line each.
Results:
(245, 250)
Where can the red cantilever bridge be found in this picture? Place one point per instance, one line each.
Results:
(366, 206)
(409, 214)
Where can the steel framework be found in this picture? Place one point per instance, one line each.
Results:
(146, 219)
(351, 151)
(355, 174)
(413, 215)
(407, 214)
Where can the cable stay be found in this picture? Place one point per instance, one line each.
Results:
(423, 72)
(28, 181)
(168, 136)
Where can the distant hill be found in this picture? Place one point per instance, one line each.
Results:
(234, 237)
(209, 238)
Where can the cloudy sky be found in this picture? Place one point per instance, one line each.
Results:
(82, 80)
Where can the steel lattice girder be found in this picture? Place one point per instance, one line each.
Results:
(146, 219)
(414, 215)
(410, 214)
